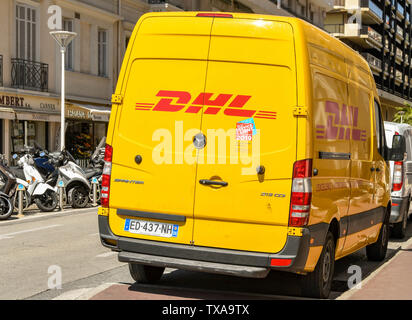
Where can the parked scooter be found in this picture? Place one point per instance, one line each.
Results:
(37, 190)
(95, 169)
(73, 178)
(8, 187)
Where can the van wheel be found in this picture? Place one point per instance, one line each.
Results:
(377, 251)
(318, 283)
(145, 274)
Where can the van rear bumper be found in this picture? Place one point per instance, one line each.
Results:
(399, 205)
(213, 260)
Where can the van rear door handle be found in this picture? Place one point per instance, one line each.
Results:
(213, 183)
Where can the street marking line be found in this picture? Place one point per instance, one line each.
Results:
(348, 294)
(73, 294)
(11, 235)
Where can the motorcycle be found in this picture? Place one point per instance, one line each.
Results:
(8, 188)
(37, 189)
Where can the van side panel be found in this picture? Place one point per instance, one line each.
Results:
(331, 146)
(362, 178)
(254, 60)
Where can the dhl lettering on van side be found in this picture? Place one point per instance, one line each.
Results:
(341, 124)
(175, 101)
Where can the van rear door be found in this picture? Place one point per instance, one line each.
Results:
(150, 176)
(248, 122)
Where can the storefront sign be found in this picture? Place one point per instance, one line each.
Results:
(12, 101)
(35, 103)
(77, 112)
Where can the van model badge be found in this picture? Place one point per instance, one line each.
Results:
(129, 181)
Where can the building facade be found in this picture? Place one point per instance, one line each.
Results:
(380, 30)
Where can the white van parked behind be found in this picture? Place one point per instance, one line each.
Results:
(401, 173)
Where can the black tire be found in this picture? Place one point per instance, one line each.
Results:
(377, 251)
(47, 202)
(145, 274)
(79, 197)
(6, 209)
(317, 284)
(399, 229)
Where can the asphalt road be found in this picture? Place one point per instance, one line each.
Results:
(37, 251)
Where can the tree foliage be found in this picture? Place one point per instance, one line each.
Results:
(404, 113)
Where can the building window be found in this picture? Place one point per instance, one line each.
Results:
(26, 32)
(102, 53)
(68, 62)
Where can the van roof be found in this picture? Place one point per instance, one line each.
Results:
(310, 34)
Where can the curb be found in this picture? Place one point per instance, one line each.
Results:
(45, 216)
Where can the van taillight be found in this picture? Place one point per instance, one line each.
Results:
(301, 198)
(107, 171)
(397, 180)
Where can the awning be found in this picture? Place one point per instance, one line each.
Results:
(87, 112)
(7, 113)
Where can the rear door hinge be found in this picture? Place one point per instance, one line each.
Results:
(300, 111)
(117, 99)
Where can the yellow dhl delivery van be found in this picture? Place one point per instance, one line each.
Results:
(242, 143)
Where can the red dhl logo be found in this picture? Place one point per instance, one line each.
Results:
(174, 101)
(341, 123)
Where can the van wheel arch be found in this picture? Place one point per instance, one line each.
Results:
(334, 228)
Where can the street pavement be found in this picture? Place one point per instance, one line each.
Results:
(39, 247)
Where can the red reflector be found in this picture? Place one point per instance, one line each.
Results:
(280, 262)
(395, 204)
(108, 153)
(217, 15)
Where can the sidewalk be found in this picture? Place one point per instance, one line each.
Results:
(392, 281)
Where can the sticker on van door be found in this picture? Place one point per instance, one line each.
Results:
(175, 101)
(245, 130)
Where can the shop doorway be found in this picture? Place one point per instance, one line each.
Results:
(82, 137)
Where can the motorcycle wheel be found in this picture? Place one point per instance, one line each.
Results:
(6, 208)
(47, 202)
(79, 197)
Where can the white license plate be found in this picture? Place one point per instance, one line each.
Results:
(150, 228)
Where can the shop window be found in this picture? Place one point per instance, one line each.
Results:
(25, 133)
(83, 137)
(79, 139)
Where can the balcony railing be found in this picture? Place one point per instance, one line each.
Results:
(373, 7)
(372, 60)
(374, 35)
(339, 3)
(334, 28)
(31, 75)
(1, 70)
(398, 54)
